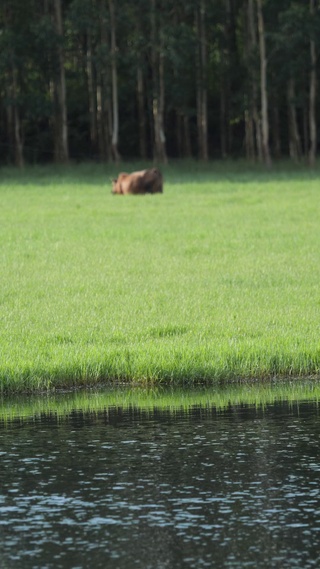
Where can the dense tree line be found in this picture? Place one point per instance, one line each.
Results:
(105, 79)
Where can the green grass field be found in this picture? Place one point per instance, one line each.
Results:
(215, 280)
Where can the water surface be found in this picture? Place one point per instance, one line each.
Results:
(150, 488)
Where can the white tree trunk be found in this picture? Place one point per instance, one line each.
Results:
(158, 89)
(114, 81)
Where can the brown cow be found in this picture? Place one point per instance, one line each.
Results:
(141, 182)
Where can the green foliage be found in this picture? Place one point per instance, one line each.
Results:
(215, 280)
(29, 42)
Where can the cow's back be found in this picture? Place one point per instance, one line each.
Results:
(140, 182)
(133, 184)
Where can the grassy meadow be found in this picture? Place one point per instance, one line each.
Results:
(216, 280)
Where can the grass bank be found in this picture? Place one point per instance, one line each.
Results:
(215, 280)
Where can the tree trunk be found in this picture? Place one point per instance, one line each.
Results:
(179, 133)
(114, 80)
(18, 146)
(162, 138)
(187, 139)
(263, 87)
(294, 137)
(159, 153)
(312, 95)
(201, 72)
(60, 119)
(183, 135)
(104, 120)
(198, 92)
(102, 152)
(11, 88)
(141, 113)
(8, 107)
(92, 95)
(276, 130)
(249, 136)
(305, 129)
(204, 106)
(248, 112)
(223, 119)
(61, 133)
(10, 123)
(253, 80)
(228, 56)
(104, 112)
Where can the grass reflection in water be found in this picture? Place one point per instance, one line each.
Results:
(200, 482)
(92, 401)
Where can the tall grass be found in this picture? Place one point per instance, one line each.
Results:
(217, 279)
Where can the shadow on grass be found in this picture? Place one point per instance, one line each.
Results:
(176, 172)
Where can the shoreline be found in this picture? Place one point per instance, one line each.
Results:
(159, 384)
(101, 399)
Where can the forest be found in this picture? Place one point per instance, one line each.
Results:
(111, 80)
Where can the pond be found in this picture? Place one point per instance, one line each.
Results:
(194, 486)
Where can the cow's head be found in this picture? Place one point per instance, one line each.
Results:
(116, 186)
